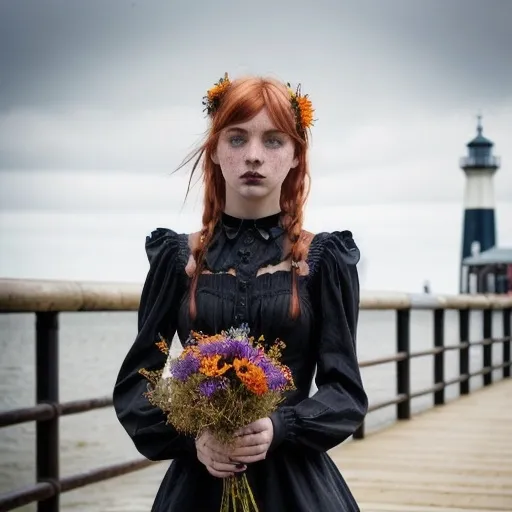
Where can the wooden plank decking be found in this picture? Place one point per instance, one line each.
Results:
(453, 458)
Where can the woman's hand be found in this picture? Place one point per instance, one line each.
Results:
(253, 442)
(215, 457)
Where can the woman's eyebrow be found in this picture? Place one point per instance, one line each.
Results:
(242, 130)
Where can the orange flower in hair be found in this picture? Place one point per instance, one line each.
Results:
(301, 104)
(306, 111)
(214, 95)
(303, 109)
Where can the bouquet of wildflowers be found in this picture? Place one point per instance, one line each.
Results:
(220, 383)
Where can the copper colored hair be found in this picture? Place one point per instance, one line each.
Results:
(243, 100)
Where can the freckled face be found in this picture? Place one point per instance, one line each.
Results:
(255, 158)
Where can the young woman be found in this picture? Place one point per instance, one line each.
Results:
(253, 263)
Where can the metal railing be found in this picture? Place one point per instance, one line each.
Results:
(49, 298)
(479, 162)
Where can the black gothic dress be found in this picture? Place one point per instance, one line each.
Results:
(297, 475)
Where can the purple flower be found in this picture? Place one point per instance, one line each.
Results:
(209, 386)
(276, 379)
(230, 348)
(245, 350)
(183, 368)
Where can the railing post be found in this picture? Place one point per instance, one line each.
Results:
(464, 352)
(47, 391)
(439, 357)
(403, 376)
(507, 313)
(487, 352)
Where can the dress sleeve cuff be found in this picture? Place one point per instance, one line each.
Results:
(283, 420)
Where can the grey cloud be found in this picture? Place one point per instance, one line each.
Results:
(110, 140)
(117, 85)
(411, 158)
(465, 42)
(141, 53)
(57, 51)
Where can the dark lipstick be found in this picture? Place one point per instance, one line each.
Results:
(252, 177)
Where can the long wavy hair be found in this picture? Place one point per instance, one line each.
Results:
(243, 100)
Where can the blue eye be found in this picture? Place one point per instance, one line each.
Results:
(237, 140)
(274, 142)
(271, 142)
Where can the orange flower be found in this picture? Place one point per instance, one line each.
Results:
(190, 350)
(251, 375)
(302, 107)
(288, 374)
(219, 88)
(214, 95)
(211, 339)
(212, 366)
(162, 346)
(306, 111)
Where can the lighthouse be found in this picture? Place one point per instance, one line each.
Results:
(479, 230)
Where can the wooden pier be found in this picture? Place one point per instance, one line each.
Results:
(453, 458)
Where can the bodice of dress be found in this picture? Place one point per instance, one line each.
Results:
(243, 247)
(232, 293)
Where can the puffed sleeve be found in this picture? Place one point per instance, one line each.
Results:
(336, 410)
(159, 302)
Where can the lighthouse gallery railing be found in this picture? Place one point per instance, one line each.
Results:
(479, 162)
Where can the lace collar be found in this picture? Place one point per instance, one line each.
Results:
(245, 244)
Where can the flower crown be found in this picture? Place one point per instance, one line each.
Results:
(301, 104)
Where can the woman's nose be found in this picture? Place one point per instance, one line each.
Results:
(254, 154)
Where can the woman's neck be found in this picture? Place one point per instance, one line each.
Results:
(255, 209)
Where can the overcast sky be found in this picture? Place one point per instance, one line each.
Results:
(101, 100)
